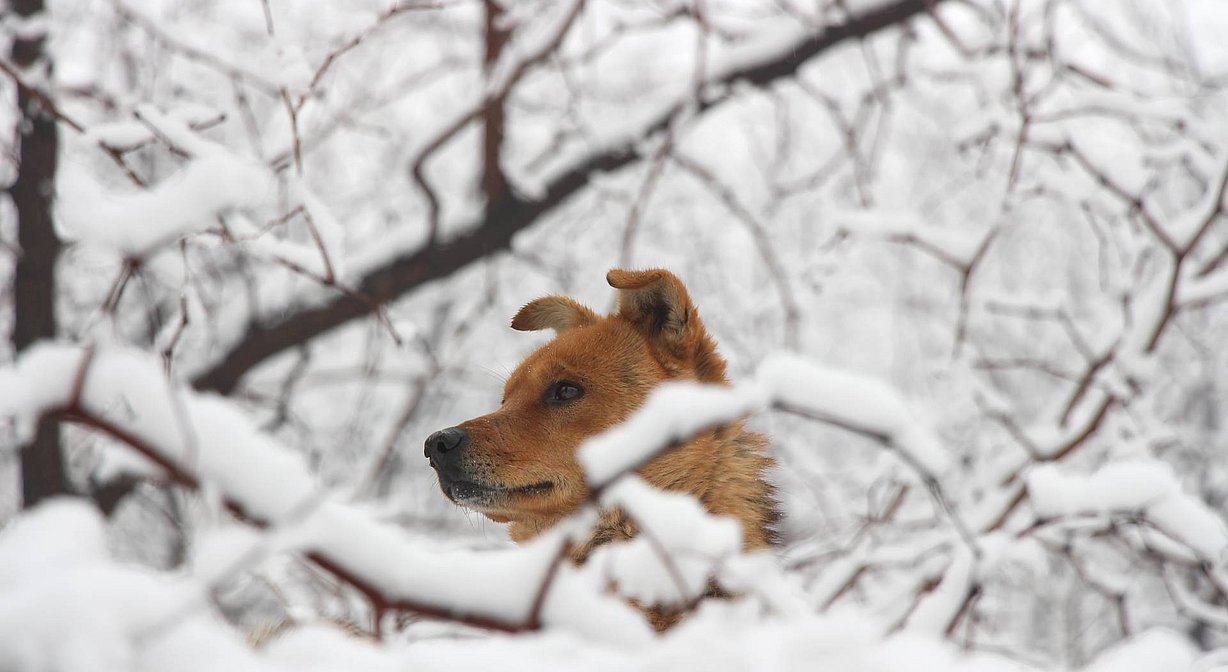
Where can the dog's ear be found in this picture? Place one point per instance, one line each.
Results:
(553, 312)
(657, 303)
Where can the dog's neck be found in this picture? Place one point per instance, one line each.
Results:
(733, 485)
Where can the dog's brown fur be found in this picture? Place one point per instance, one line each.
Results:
(523, 456)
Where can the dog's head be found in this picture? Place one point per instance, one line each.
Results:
(518, 464)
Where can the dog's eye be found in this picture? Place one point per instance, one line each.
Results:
(563, 392)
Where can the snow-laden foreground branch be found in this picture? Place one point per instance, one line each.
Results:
(65, 606)
(677, 412)
(1177, 527)
(201, 441)
(71, 607)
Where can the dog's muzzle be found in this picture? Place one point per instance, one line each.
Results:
(444, 450)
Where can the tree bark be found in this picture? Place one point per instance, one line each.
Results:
(42, 463)
(494, 184)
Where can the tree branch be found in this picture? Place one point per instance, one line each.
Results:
(494, 230)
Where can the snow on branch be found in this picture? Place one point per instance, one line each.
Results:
(532, 43)
(678, 547)
(954, 248)
(676, 412)
(215, 181)
(1145, 488)
(66, 606)
(200, 440)
(860, 404)
(673, 414)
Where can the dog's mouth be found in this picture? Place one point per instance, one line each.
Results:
(473, 493)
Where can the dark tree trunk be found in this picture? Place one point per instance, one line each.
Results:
(494, 184)
(42, 463)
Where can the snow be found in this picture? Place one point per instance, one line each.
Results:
(307, 256)
(129, 134)
(116, 460)
(32, 27)
(130, 389)
(216, 444)
(1185, 227)
(1197, 291)
(928, 165)
(900, 226)
(137, 223)
(195, 114)
(1120, 164)
(837, 575)
(328, 229)
(861, 403)
(61, 533)
(938, 609)
(286, 66)
(674, 411)
(300, 255)
(1150, 651)
(36, 382)
(218, 551)
(760, 575)
(530, 41)
(693, 542)
(321, 647)
(1138, 487)
(771, 40)
(120, 135)
(208, 438)
(90, 614)
(499, 584)
(65, 606)
(580, 604)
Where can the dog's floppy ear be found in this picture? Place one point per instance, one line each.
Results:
(553, 312)
(657, 303)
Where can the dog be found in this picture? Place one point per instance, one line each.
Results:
(518, 464)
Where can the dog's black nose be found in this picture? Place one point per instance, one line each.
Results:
(443, 446)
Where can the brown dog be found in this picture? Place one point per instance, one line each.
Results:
(518, 465)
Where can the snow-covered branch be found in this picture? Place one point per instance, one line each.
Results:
(200, 441)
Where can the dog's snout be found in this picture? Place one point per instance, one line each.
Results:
(443, 446)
